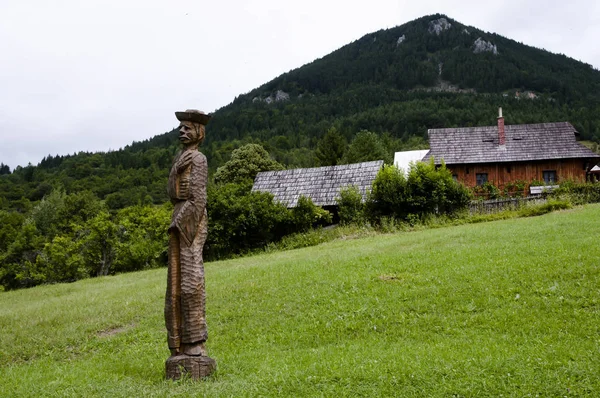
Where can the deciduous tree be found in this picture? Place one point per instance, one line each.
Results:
(245, 163)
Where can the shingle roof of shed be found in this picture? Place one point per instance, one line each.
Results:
(321, 184)
(524, 142)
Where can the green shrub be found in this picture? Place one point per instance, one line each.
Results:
(514, 189)
(487, 191)
(432, 190)
(388, 196)
(578, 193)
(428, 189)
(306, 215)
(143, 238)
(351, 206)
(241, 220)
(502, 215)
(538, 183)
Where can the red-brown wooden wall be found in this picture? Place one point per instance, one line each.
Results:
(501, 173)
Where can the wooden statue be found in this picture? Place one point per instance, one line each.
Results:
(185, 298)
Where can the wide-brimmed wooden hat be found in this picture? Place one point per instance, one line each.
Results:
(193, 115)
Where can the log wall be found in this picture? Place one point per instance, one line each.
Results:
(502, 173)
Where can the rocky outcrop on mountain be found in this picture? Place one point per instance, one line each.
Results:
(446, 87)
(400, 40)
(281, 95)
(278, 96)
(481, 46)
(437, 26)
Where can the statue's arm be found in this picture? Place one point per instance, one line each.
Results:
(189, 216)
(200, 178)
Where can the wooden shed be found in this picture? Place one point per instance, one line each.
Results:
(321, 184)
(547, 152)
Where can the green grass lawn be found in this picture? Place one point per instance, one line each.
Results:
(507, 308)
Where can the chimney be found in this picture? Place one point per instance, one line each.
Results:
(501, 135)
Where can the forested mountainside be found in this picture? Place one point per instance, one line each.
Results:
(428, 73)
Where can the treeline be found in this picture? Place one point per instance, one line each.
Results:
(70, 236)
(285, 128)
(121, 178)
(137, 174)
(67, 237)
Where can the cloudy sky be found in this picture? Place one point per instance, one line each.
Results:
(95, 75)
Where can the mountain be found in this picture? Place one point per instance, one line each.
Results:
(431, 72)
(428, 73)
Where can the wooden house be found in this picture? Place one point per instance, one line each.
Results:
(321, 184)
(544, 152)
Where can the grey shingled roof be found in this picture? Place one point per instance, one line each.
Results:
(321, 184)
(524, 142)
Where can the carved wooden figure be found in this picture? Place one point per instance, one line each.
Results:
(185, 297)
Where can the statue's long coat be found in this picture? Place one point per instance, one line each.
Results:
(185, 298)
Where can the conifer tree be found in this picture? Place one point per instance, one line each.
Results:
(331, 148)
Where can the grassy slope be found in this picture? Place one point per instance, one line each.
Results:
(508, 307)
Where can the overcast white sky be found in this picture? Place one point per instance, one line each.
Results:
(95, 75)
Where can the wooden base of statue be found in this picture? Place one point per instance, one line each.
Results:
(197, 367)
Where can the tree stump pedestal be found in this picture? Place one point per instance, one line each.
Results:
(196, 367)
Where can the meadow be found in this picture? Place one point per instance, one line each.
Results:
(506, 308)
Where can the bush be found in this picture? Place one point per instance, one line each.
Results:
(240, 220)
(432, 190)
(143, 239)
(487, 191)
(389, 195)
(578, 193)
(428, 189)
(350, 206)
(18, 262)
(514, 189)
(306, 215)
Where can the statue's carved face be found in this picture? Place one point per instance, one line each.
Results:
(191, 133)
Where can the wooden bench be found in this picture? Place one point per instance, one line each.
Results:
(542, 188)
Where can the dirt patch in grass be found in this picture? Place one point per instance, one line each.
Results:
(113, 331)
(390, 277)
